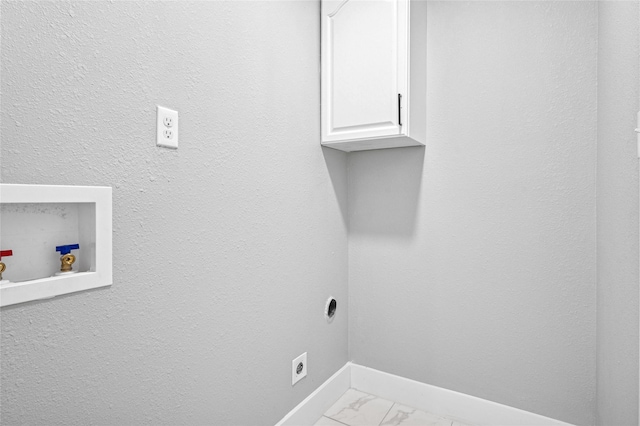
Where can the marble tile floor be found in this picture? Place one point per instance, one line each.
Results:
(355, 408)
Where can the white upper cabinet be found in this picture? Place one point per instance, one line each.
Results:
(373, 74)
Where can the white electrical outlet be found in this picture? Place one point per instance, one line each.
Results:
(298, 368)
(167, 125)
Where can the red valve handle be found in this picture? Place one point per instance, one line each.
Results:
(5, 253)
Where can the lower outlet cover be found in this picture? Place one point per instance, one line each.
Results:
(298, 368)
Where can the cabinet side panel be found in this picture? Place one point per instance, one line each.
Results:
(418, 71)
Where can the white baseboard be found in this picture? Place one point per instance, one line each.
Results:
(458, 406)
(315, 405)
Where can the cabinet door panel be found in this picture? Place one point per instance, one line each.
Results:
(360, 67)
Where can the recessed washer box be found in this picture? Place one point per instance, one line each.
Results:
(34, 219)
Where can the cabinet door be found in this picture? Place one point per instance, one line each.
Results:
(364, 68)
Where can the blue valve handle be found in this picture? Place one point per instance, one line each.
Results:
(67, 249)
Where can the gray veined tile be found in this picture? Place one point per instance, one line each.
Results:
(356, 408)
(408, 416)
(326, 421)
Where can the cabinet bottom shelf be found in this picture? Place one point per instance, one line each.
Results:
(369, 144)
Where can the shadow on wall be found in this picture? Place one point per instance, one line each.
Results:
(336, 162)
(384, 191)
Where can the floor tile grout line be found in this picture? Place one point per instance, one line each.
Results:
(388, 411)
(338, 421)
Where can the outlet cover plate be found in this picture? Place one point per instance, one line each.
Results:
(167, 128)
(298, 373)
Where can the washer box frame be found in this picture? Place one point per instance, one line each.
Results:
(98, 230)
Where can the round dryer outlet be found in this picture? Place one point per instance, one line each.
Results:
(330, 309)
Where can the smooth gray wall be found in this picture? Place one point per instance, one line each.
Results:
(225, 251)
(472, 261)
(618, 82)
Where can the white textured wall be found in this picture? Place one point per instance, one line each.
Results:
(224, 251)
(618, 103)
(472, 261)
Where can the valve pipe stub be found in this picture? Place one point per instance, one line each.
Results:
(3, 267)
(67, 259)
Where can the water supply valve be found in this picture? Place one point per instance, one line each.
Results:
(4, 253)
(67, 259)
